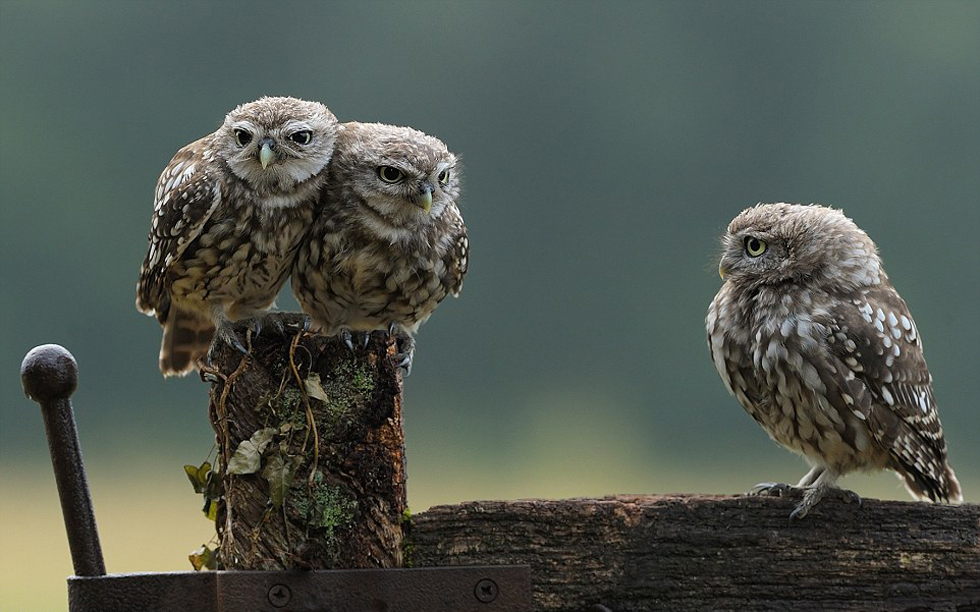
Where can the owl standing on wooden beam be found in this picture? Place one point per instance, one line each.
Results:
(809, 335)
(229, 213)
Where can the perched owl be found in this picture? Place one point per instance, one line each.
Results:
(229, 213)
(390, 243)
(810, 336)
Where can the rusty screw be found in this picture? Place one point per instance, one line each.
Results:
(279, 595)
(486, 590)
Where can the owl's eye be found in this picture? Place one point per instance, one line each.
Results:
(242, 137)
(302, 137)
(444, 177)
(390, 174)
(755, 247)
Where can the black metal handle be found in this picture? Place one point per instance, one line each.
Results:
(50, 375)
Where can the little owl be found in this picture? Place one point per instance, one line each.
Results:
(809, 335)
(390, 243)
(229, 213)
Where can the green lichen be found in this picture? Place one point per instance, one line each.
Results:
(326, 508)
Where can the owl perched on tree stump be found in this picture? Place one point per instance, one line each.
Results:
(390, 243)
(810, 336)
(229, 213)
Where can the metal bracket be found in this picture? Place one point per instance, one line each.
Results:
(441, 589)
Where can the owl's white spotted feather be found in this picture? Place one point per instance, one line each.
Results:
(810, 336)
(229, 213)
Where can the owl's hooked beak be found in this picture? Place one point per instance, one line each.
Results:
(722, 271)
(424, 200)
(266, 155)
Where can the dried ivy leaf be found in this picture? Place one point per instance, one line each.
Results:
(279, 473)
(248, 455)
(202, 558)
(210, 509)
(198, 476)
(314, 389)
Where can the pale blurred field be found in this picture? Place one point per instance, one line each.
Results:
(149, 519)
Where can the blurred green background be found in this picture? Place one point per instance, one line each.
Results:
(606, 145)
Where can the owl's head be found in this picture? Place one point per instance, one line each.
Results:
(771, 244)
(275, 143)
(398, 180)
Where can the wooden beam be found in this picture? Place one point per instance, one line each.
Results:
(689, 552)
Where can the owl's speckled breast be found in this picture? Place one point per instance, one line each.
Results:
(240, 261)
(372, 287)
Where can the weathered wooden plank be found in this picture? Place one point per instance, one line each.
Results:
(686, 552)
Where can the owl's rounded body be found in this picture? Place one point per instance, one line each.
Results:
(230, 211)
(389, 244)
(809, 335)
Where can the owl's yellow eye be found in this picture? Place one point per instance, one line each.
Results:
(302, 137)
(444, 177)
(390, 174)
(242, 137)
(755, 247)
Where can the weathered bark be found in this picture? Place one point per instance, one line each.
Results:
(676, 553)
(334, 447)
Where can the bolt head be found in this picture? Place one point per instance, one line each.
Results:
(486, 590)
(279, 595)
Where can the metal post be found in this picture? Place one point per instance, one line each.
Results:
(50, 375)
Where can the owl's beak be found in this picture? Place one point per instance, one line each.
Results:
(266, 154)
(424, 201)
(722, 271)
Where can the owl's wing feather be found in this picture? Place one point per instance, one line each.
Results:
(881, 367)
(457, 257)
(186, 196)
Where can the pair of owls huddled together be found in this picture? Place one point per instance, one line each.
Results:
(362, 216)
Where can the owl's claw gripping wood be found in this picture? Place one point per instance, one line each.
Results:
(775, 489)
(406, 348)
(347, 337)
(278, 321)
(225, 333)
(812, 495)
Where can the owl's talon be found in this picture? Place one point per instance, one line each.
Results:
(406, 351)
(255, 325)
(775, 489)
(345, 335)
(226, 334)
(283, 319)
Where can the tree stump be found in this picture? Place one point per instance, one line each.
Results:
(310, 456)
(685, 552)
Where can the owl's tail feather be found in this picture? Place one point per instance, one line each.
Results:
(924, 488)
(186, 337)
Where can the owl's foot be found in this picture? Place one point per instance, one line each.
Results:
(277, 321)
(350, 338)
(776, 489)
(818, 492)
(224, 333)
(406, 349)
(811, 495)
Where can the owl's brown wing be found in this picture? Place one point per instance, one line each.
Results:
(456, 257)
(883, 372)
(186, 195)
